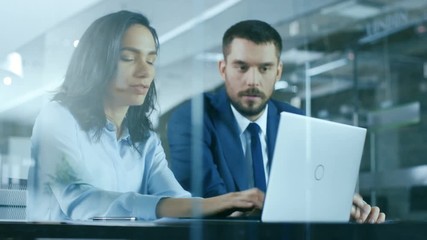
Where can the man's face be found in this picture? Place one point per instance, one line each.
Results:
(250, 72)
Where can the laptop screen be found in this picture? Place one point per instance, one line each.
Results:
(314, 170)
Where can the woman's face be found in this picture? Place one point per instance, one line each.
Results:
(135, 69)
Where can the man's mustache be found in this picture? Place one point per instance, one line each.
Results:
(252, 92)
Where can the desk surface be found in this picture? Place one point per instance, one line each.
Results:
(213, 230)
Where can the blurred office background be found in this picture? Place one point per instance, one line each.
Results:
(360, 62)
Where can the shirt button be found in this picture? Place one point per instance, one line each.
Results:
(110, 126)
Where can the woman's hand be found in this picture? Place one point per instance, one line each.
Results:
(243, 201)
(187, 207)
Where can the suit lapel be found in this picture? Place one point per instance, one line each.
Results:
(273, 118)
(228, 134)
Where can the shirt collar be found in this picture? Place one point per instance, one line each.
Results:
(243, 122)
(110, 127)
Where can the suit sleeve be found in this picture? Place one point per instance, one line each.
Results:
(180, 138)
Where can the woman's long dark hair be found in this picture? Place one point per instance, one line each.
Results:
(92, 68)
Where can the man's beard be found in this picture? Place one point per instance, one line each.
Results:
(250, 110)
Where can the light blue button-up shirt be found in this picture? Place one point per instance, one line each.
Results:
(75, 177)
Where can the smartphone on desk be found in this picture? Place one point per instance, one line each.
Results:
(131, 219)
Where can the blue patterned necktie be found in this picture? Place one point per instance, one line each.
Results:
(257, 161)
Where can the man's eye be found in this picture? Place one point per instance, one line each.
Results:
(264, 69)
(243, 68)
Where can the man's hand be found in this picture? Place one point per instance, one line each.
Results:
(362, 212)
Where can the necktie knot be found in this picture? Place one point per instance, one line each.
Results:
(254, 129)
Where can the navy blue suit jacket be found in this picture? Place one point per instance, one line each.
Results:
(223, 163)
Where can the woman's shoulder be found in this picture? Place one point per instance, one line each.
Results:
(53, 107)
(54, 114)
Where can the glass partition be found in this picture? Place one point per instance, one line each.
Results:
(368, 69)
(361, 63)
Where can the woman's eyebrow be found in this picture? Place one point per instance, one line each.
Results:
(135, 50)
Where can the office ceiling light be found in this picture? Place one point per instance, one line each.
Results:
(28, 96)
(294, 28)
(209, 57)
(7, 81)
(14, 61)
(12, 66)
(212, 12)
(297, 56)
(326, 67)
(352, 9)
(7, 77)
(359, 11)
(76, 43)
(337, 7)
(281, 85)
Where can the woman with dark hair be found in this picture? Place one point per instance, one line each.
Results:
(94, 150)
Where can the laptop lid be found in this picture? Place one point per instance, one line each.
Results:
(314, 170)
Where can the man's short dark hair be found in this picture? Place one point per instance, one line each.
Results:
(255, 31)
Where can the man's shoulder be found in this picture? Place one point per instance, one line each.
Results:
(285, 107)
(209, 99)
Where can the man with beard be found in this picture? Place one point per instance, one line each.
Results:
(250, 69)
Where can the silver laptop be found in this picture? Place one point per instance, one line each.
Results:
(314, 170)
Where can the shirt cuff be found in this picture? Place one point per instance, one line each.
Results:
(145, 206)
